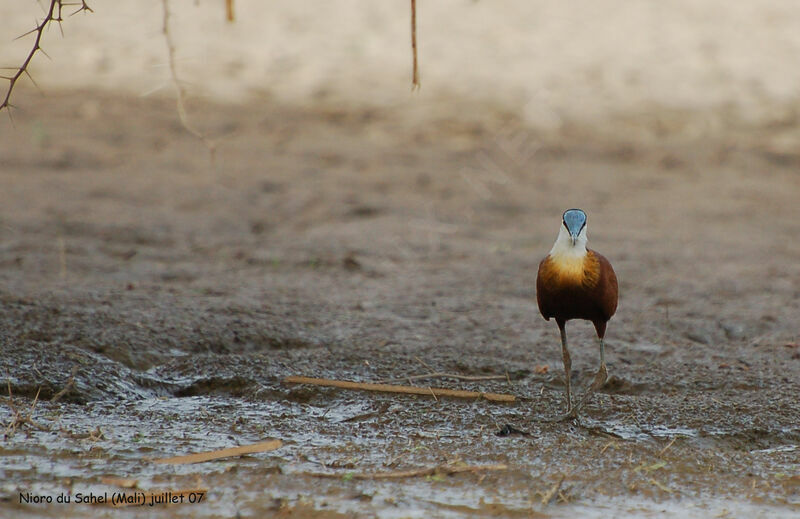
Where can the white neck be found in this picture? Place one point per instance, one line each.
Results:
(563, 247)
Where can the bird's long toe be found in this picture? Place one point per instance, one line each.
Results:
(600, 379)
(569, 415)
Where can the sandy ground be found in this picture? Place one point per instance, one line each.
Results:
(349, 229)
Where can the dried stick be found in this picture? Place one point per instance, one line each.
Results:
(229, 10)
(445, 470)
(471, 378)
(412, 390)
(180, 92)
(415, 84)
(54, 14)
(199, 457)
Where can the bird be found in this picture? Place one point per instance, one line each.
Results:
(574, 282)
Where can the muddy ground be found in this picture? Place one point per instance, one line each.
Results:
(372, 244)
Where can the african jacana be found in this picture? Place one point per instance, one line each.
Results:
(577, 283)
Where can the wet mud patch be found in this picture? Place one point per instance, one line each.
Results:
(340, 432)
(81, 375)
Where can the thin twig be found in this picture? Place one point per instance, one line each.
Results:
(665, 449)
(412, 390)
(415, 84)
(70, 383)
(62, 257)
(425, 364)
(444, 470)
(433, 393)
(180, 91)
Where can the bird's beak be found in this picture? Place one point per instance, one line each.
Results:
(574, 238)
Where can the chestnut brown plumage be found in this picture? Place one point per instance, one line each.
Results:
(577, 283)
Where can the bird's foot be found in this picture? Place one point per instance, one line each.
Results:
(571, 414)
(599, 380)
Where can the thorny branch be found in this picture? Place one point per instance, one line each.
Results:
(54, 14)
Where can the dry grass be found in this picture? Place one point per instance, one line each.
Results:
(19, 418)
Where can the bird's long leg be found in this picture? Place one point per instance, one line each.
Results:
(567, 366)
(599, 379)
